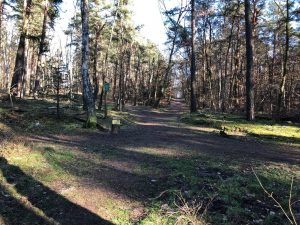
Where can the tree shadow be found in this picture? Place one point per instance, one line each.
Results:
(172, 140)
(13, 212)
(119, 172)
(53, 205)
(174, 174)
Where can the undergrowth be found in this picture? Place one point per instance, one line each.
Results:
(267, 130)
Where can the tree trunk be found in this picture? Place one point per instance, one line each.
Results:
(193, 105)
(136, 86)
(162, 88)
(281, 96)
(272, 72)
(31, 67)
(115, 80)
(224, 82)
(128, 71)
(1, 49)
(249, 71)
(121, 78)
(150, 83)
(37, 83)
(20, 67)
(87, 88)
(95, 62)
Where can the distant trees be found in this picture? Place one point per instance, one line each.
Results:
(33, 19)
(173, 22)
(237, 56)
(243, 56)
(132, 67)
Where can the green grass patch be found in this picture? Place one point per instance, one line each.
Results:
(42, 161)
(268, 130)
(236, 193)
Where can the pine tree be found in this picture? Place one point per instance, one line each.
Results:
(249, 71)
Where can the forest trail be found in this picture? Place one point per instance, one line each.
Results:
(110, 174)
(165, 131)
(165, 163)
(161, 132)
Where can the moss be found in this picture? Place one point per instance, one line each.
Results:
(266, 130)
(91, 122)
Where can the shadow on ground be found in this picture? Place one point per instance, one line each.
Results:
(141, 162)
(36, 195)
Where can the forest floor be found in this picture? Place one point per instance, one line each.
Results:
(158, 170)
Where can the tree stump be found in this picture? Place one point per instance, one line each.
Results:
(115, 125)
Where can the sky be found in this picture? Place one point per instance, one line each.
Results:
(145, 12)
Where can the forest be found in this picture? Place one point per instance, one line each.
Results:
(99, 124)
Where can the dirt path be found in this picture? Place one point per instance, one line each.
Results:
(157, 136)
(160, 132)
(131, 167)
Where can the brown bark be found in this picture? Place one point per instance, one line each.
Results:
(120, 100)
(37, 83)
(1, 14)
(95, 63)
(281, 96)
(224, 80)
(136, 76)
(115, 80)
(193, 103)
(272, 70)
(20, 67)
(249, 66)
